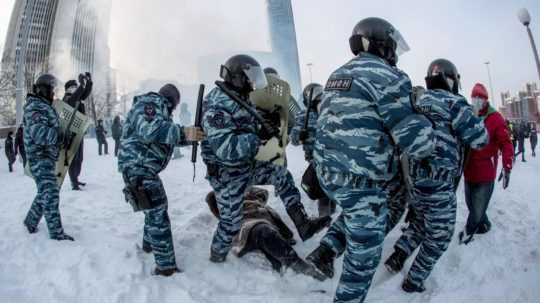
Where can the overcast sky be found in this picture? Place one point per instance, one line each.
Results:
(163, 38)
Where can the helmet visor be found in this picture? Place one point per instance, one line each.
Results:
(256, 77)
(316, 92)
(401, 45)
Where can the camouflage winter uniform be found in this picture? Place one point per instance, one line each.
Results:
(433, 178)
(229, 152)
(365, 112)
(309, 143)
(397, 201)
(41, 142)
(148, 140)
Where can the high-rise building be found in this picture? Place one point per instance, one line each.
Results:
(33, 20)
(62, 37)
(284, 43)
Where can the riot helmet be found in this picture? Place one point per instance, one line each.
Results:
(71, 86)
(172, 95)
(313, 91)
(244, 74)
(443, 74)
(378, 37)
(271, 71)
(45, 86)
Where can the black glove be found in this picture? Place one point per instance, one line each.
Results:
(267, 132)
(505, 177)
(303, 136)
(88, 76)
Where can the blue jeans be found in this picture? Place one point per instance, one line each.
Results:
(477, 196)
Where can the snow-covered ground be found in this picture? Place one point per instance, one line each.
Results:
(105, 263)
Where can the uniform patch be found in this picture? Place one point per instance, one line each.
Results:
(218, 120)
(339, 84)
(150, 111)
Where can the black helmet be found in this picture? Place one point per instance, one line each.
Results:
(313, 90)
(243, 74)
(45, 86)
(172, 94)
(271, 71)
(443, 74)
(378, 37)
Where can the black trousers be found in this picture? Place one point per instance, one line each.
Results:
(102, 143)
(76, 166)
(477, 197)
(11, 160)
(274, 247)
(22, 153)
(116, 147)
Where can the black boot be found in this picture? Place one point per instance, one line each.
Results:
(327, 207)
(217, 258)
(396, 261)
(63, 237)
(409, 287)
(323, 259)
(31, 229)
(146, 247)
(304, 268)
(307, 227)
(166, 272)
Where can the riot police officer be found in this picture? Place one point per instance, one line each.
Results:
(234, 133)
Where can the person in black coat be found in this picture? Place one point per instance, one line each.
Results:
(19, 144)
(75, 94)
(521, 135)
(101, 135)
(10, 151)
(534, 138)
(116, 130)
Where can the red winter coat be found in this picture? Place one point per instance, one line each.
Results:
(482, 164)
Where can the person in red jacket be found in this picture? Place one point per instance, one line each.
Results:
(481, 165)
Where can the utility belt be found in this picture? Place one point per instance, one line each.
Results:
(140, 196)
(421, 170)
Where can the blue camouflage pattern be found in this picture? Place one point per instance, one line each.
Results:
(366, 116)
(148, 139)
(358, 127)
(157, 225)
(397, 201)
(41, 141)
(231, 132)
(229, 151)
(434, 179)
(309, 144)
(149, 135)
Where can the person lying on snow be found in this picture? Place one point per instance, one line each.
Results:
(264, 230)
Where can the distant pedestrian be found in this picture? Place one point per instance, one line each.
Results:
(10, 151)
(533, 137)
(19, 144)
(101, 135)
(116, 132)
(521, 135)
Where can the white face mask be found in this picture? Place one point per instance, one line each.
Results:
(478, 105)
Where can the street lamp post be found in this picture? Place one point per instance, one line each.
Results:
(490, 82)
(525, 19)
(310, 66)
